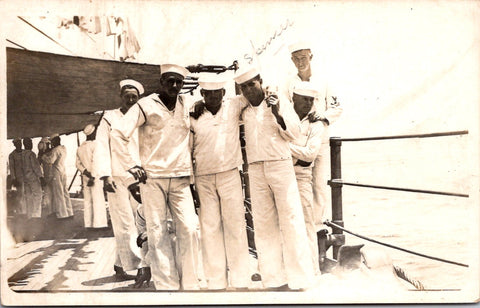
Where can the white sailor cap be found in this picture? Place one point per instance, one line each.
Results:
(54, 135)
(245, 74)
(174, 68)
(211, 82)
(305, 88)
(89, 129)
(300, 45)
(133, 83)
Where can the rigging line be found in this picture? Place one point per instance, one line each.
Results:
(455, 133)
(16, 44)
(331, 224)
(336, 181)
(46, 35)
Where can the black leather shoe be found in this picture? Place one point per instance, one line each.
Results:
(121, 275)
(143, 276)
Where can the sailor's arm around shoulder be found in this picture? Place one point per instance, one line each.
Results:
(121, 132)
(310, 150)
(292, 127)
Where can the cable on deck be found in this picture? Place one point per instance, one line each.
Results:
(333, 225)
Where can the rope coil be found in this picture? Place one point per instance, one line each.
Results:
(402, 274)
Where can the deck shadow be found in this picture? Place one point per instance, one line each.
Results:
(37, 264)
(101, 281)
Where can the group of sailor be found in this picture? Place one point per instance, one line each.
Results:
(155, 147)
(40, 182)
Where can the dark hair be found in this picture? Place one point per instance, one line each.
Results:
(127, 86)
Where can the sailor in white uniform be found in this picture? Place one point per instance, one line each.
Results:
(328, 108)
(280, 233)
(304, 150)
(163, 124)
(94, 210)
(217, 156)
(116, 181)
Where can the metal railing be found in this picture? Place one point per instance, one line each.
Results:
(336, 181)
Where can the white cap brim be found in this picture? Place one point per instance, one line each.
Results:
(133, 83)
(174, 68)
(305, 88)
(211, 82)
(298, 46)
(246, 74)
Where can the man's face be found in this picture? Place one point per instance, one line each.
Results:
(27, 144)
(252, 90)
(171, 84)
(301, 59)
(129, 97)
(212, 97)
(17, 144)
(302, 104)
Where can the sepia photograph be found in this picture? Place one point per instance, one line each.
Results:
(252, 152)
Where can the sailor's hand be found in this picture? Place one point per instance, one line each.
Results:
(91, 182)
(109, 184)
(139, 174)
(135, 192)
(198, 109)
(315, 117)
(303, 163)
(141, 238)
(87, 173)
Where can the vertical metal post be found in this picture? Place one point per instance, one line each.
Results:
(336, 174)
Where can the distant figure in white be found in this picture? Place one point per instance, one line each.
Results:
(116, 179)
(94, 210)
(15, 163)
(280, 234)
(47, 206)
(327, 106)
(217, 156)
(56, 156)
(163, 124)
(304, 151)
(33, 180)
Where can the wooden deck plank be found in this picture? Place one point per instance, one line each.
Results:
(95, 250)
(52, 273)
(17, 264)
(104, 266)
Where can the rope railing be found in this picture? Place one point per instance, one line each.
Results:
(401, 189)
(333, 225)
(336, 183)
(443, 134)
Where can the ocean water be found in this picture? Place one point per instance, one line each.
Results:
(436, 225)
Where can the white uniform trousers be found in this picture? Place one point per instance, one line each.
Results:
(223, 229)
(174, 193)
(321, 190)
(122, 213)
(142, 228)
(33, 197)
(280, 233)
(94, 210)
(304, 181)
(20, 203)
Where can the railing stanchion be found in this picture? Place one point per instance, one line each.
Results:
(336, 174)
